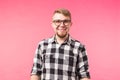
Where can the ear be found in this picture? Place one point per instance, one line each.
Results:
(51, 23)
(71, 24)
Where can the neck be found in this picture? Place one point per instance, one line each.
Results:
(61, 40)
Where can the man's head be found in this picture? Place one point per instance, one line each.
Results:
(61, 22)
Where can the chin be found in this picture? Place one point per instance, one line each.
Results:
(62, 35)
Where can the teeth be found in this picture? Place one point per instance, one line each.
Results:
(63, 29)
(60, 29)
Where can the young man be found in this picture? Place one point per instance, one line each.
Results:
(60, 57)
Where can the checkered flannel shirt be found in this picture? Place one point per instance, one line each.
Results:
(67, 61)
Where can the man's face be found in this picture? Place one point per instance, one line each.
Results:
(61, 24)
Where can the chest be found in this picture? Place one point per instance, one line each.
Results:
(59, 51)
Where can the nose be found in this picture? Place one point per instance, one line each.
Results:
(62, 24)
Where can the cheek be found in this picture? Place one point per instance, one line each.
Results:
(68, 28)
(53, 26)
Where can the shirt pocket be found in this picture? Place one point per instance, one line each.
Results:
(70, 61)
(48, 58)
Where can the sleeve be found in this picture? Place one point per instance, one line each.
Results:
(37, 62)
(82, 64)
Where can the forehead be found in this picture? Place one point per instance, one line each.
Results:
(60, 16)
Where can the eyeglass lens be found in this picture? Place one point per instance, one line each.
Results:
(58, 22)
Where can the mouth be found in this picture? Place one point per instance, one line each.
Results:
(61, 29)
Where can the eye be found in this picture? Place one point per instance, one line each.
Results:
(66, 21)
(58, 21)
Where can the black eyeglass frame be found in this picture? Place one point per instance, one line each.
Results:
(65, 22)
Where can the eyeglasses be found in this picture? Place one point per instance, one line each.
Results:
(58, 22)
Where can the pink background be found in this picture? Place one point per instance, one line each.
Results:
(23, 23)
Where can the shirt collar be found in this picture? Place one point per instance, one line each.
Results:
(67, 41)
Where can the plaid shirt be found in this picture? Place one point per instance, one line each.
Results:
(67, 61)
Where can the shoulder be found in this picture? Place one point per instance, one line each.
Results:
(45, 41)
(78, 44)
